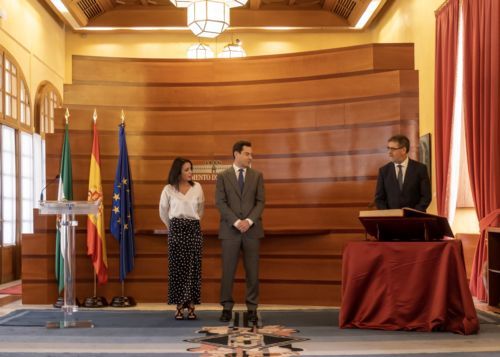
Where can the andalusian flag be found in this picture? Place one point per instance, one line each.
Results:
(65, 194)
(96, 241)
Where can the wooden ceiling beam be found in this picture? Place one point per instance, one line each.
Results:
(255, 4)
(329, 4)
(358, 10)
(166, 16)
(76, 12)
(106, 4)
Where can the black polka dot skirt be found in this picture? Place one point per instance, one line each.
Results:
(185, 244)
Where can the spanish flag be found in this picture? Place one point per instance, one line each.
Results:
(96, 241)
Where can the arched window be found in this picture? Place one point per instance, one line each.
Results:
(16, 153)
(25, 108)
(47, 99)
(11, 92)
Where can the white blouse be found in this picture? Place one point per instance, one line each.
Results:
(174, 204)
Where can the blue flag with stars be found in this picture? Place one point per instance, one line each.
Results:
(122, 215)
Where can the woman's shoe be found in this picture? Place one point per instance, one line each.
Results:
(179, 315)
(191, 315)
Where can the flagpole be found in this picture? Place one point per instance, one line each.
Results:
(119, 219)
(60, 299)
(94, 301)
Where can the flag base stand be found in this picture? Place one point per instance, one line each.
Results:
(123, 301)
(60, 302)
(95, 302)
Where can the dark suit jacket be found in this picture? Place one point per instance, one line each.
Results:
(234, 205)
(416, 191)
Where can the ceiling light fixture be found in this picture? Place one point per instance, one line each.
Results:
(208, 18)
(236, 3)
(233, 50)
(200, 51)
(181, 3)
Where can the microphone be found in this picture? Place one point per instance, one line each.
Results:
(47, 185)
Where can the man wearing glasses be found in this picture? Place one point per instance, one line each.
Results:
(403, 182)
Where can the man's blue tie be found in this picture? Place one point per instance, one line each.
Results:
(241, 180)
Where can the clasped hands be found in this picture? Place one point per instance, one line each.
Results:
(243, 225)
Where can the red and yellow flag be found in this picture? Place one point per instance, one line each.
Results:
(96, 241)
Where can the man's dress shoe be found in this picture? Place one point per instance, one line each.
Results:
(252, 316)
(225, 316)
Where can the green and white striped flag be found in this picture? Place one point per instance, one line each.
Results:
(65, 194)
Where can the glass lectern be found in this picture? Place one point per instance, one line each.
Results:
(67, 223)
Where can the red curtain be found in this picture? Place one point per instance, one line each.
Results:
(444, 92)
(481, 102)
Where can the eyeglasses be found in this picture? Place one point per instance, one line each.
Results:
(393, 149)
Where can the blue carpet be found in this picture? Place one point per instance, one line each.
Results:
(107, 318)
(152, 319)
(133, 333)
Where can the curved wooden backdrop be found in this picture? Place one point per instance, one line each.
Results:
(318, 121)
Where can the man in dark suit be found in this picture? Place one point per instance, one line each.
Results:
(402, 182)
(239, 196)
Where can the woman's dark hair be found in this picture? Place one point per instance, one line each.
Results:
(174, 177)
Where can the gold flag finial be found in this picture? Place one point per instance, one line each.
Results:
(66, 115)
(94, 116)
(123, 117)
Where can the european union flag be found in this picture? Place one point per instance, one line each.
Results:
(122, 217)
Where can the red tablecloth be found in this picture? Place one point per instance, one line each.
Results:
(419, 286)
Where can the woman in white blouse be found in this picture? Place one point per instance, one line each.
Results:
(181, 209)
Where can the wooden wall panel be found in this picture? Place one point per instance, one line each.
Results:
(261, 94)
(304, 143)
(319, 264)
(308, 64)
(289, 242)
(275, 218)
(318, 122)
(7, 262)
(264, 120)
(272, 292)
(277, 193)
(307, 168)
